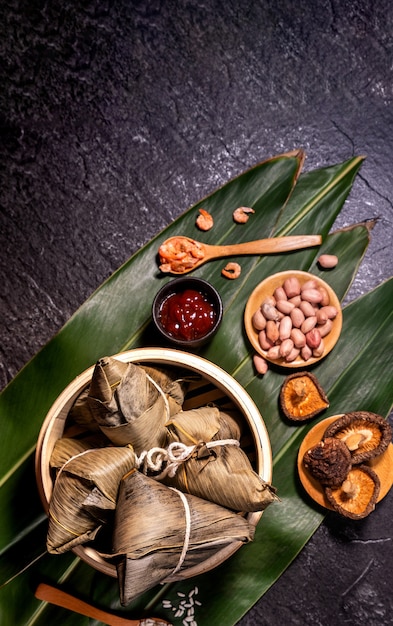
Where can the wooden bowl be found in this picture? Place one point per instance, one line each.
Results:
(382, 465)
(266, 288)
(215, 385)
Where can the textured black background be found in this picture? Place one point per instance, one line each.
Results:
(117, 116)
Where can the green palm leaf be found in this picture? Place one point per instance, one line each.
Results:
(117, 317)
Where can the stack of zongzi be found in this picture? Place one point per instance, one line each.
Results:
(163, 520)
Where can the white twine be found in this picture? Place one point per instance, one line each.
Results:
(174, 455)
(187, 531)
(160, 391)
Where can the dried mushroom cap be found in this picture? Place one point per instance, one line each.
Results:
(329, 461)
(302, 397)
(366, 434)
(358, 494)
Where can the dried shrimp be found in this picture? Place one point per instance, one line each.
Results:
(242, 214)
(204, 220)
(179, 254)
(231, 270)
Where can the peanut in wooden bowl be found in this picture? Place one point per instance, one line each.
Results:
(382, 465)
(266, 288)
(215, 384)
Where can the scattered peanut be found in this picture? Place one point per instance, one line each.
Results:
(308, 324)
(259, 320)
(264, 342)
(307, 308)
(293, 322)
(325, 297)
(291, 287)
(260, 364)
(312, 295)
(324, 329)
(297, 317)
(313, 338)
(286, 347)
(269, 311)
(298, 338)
(280, 294)
(272, 332)
(328, 261)
(306, 353)
(284, 306)
(285, 328)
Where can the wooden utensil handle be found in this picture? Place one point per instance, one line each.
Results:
(272, 245)
(66, 601)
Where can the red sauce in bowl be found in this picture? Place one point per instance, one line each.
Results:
(187, 315)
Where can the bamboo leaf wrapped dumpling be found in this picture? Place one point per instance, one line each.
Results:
(81, 412)
(133, 406)
(84, 496)
(223, 473)
(159, 532)
(67, 447)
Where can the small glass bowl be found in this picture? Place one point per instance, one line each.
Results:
(178, 287)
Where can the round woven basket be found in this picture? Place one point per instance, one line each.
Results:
(215, 384)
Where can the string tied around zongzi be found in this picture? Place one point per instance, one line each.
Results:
(169, 459)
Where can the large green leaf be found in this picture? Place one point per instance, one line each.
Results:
(117, 317)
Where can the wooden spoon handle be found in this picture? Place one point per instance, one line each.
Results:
(266, 246)
(67, 601)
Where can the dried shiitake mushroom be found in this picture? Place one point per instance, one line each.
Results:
(357, 495)
(366, 434)
(329, 461)
(302, 397)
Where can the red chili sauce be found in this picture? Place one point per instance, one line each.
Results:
(187, 315)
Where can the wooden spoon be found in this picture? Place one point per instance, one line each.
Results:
(173, 260)
(67, 601)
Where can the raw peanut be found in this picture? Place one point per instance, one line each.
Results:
(308, 324)
(284, 306)
(272, 332)
(307, 308)
(264, 342)
(330, 311)
(296, 300)
(297, 317)
(260, 364)
(324, 329)
(292, 356)
(259, 320)
(321, 316)
(325, 297)
(317, 352)
(285, 328)
(269, 311)
(312, 295)
(279, 294)
(291, 286)
(310, 284)
(313, 338)
(306, 353)
(298, 338)
(327, 261)
(286, 347)
(273, 353)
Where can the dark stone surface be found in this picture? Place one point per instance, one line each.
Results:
(117, 116)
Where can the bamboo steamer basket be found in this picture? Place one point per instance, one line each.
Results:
(215, 384)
